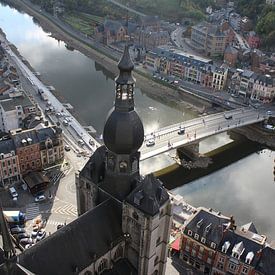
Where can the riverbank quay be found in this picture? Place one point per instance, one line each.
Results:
(73, 130)
(109, 60)
(176, 175)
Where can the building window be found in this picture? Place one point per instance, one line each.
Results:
(220, 266)
(221, 259)
(102, 266)
(118, 253)
(233, 267)
(156, 261)
(13, 161)
(189, 233)
(213, 245)
(203, 240)
(194, 252)
(9, 162)
(196, 236)
(245, 270)
(3, 164)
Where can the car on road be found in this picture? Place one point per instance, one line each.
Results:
(81, 142)
(227, 116)
(13, 193)
(17, 230)
(41, 235)
(269, 113)
(181, 131)
(92, 142)
(150, 142)
(39, 198)
(67, 148)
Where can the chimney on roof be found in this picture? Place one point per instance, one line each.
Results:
(232, 224)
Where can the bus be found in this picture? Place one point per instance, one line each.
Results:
(15, 217)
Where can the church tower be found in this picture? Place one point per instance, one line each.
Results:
(113, 172)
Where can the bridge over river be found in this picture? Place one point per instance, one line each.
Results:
(191, 131)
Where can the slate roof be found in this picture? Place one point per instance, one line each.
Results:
(186, 59)
(231, 50)
(112, 25)
(18, 137)
(267, 261)
(148, 196)
(247, 239)
(121, 267)
(6, 146)
(77, 244)
(10, 104)
(249, 227)
(207, 224)
(48, 132)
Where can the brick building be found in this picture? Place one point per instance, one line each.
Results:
(201, 237)
(9, 164)
(230, 56)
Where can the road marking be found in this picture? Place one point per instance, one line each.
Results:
(32, 211)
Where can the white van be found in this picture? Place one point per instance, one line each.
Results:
(13, 193)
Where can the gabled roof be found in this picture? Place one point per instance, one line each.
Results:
(6, 146)
(78, 244)
(267, 261)
(208, 224)
(249, 227)
(148, 196)
(243, 243)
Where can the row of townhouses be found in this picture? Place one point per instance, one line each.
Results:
(30, 150)
(212, 243)
(201, 71)
(191, 68)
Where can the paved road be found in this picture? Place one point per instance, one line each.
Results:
(74, 129)
(169, 138)
(126, 8)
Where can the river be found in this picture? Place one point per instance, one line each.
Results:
(244, 189)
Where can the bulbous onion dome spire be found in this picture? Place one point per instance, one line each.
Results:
(123, 131)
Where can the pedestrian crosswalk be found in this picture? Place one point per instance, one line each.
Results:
(32, 211)
(68, 209)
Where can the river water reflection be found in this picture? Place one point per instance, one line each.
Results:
(245, 189)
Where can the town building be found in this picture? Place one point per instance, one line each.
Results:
(51, 145)
(201, 236)
(270, 2)
(208, 38)
(263, 89)
(9, 163)
(37, 149)
(253, 40)
(110, 31)
(125, 218)
(239, 251)
(150, 39)
(230, 56)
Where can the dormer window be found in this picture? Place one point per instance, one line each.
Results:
(189, 232)
(249, 257)
(203, 240)
(225, 246)
(196, 236)
(199, 223)
(213, 245)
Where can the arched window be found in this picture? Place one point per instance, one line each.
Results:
(156, 261)
(102, 266)
(118, 253)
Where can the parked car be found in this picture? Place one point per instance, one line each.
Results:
(269, 113)
(22, 236)
(67, 148)
(150, 142)
(28, 245)
(41, 235)
(26, 241)
(35, 231)
(17, 230)
(13, 193)
(39, 198)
